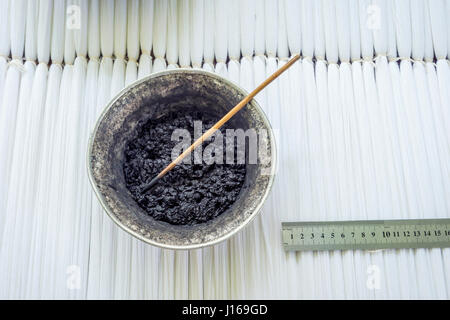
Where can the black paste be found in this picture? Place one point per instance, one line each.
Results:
(189, 193)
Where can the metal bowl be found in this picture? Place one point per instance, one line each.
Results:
(151, 97)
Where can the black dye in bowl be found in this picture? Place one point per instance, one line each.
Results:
(198, 189)
(151, 99)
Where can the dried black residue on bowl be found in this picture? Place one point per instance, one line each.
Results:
(190, 193)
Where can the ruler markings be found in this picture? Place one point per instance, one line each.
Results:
(366, 235)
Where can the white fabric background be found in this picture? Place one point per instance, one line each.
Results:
(362, 124)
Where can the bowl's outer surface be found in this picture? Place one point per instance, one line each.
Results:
(147, 98)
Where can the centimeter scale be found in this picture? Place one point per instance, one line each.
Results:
(366, 235)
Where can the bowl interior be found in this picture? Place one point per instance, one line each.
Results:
(153, 97)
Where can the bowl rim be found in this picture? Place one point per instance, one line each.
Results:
(215, 241)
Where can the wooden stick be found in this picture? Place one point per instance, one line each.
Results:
(221, 122)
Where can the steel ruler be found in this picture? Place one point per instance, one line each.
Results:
(366, 234)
